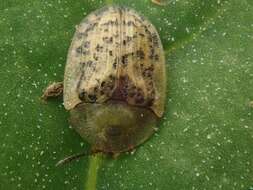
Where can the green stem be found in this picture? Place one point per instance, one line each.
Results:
(94, 164)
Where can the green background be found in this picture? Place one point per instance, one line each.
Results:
(206, 136)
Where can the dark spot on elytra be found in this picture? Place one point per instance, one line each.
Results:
(95, 57)
(102, 92)
(92, 97)
(148, 72)
(116, 22)
(129, 38)
(140, 54)
(111, 40)
(112, 77)
(156, 57)
(150, 85)
(131, 23)
(114, 65)
(89, 63)
(82, 95)
(147, 30)
(107, 86)
(96, 89)
(91, 27)
(110, 53)
(82, 64)
(107, 39)
(138, 97)
(81, 35)
(142, 18)
(124, 59)
(86, 52)
(79, 50)
(103, 84)
(82, 77)
(155, 39)
(141, 34)
(152, 53)
(99, 48)
(86, 44)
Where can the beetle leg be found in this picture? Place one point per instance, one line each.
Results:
(53, 90)
(71, 158)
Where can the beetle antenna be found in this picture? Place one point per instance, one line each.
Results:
(70, 158)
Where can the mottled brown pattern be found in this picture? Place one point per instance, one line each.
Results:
(116, 54)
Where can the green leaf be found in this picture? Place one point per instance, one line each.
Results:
(206, 136)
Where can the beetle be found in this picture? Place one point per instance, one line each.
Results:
(115, 81)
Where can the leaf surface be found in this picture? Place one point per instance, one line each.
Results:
(206, 136)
